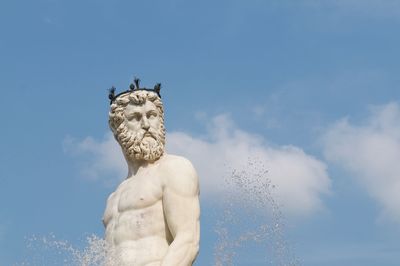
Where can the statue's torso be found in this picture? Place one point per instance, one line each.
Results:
(134, 220)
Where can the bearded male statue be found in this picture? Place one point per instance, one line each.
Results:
(152, 218)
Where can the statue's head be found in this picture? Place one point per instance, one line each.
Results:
(137, 120)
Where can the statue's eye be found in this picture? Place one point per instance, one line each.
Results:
(151, 114)
(134, 116)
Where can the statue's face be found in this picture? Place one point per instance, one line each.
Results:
(145, 130)
(142, 118)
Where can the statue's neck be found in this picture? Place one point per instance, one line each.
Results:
(134, 166)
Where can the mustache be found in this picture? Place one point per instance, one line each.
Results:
(147, 133)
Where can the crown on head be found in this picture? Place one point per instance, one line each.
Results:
(135, 86)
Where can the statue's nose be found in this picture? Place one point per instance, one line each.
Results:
(145, 123)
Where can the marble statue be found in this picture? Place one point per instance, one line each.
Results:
(152, 218)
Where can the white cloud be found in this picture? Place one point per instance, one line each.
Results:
(371, 152)
(98, 160)
(300, 179)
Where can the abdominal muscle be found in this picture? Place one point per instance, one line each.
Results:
(138, 236)
(143, 252)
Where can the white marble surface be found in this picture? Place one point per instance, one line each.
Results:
(153, 217)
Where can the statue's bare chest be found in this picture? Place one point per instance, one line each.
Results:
(134, 194)
(138, 194)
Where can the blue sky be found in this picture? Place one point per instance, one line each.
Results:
(311, 88)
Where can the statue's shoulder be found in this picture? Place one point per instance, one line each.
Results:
(180, 175)
(175, 160)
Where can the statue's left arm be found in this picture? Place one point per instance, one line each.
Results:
(182, 213)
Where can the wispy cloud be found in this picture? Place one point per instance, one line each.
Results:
(371, 152)
(98, 159)
(300, 179)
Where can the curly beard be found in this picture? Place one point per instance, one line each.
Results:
(145, 145)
